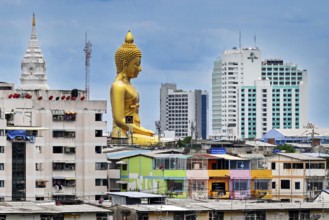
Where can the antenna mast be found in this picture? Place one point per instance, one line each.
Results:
(87, 51)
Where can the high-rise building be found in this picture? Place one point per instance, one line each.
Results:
(184, 112)
(51, 141)
(251, 97)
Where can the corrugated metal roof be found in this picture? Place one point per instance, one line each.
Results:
(303, 132)
(123, 154)
(299, 156)
(47, 207)
(133, 194)
(182, 156)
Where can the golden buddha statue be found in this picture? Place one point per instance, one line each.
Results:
(125, 98)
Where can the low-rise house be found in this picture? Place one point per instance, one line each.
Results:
(297, 177)
(189, 209)
(201, 176)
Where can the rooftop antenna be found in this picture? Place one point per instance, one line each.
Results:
(255, 40)
(87, 51)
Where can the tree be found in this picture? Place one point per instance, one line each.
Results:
(285, 147)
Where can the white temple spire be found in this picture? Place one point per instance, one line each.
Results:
(33, 68)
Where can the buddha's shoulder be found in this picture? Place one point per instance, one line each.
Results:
(119, 84)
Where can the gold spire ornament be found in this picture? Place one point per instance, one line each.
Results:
(33, 20)
(125, 98)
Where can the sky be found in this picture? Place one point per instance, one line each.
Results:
(179, 40)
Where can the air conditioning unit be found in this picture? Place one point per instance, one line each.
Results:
(196, 166)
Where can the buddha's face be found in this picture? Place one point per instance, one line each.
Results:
(134, 67)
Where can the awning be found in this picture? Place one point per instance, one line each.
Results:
(26, 128)
(121, 162)
(70, 178)
(63, 194)
(57, 112)
(42, 180)
(121, 182)
(59, 177)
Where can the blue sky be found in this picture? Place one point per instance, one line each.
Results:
(179, 40)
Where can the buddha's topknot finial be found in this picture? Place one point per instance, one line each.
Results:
(129, 38)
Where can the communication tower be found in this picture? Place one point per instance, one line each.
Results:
(87, 51)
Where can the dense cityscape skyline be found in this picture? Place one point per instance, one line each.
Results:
(179, 48)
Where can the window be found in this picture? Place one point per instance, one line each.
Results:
(38, 149)
(2, 149)
(103, 216)
(175, 185)
(240, 185)
(69, 150)
(98, 149)
(2, 183)
(273, 185)
(101, 182)
(143, 216)
(297, 185)
(298, 166)
(286, 165)
(98, 117)
(39, 198)
(273, 166)
(285, 184)
(40, 184)
(259, 215)
(215, 215)
(57, 149)
(101, 166)
(98, 133)
(261, 184)
(124, 166)
(2, 166)
(38, 166)
(64, 134)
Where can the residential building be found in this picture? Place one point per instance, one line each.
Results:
(51, 141)
(251, 97)
(200, 176)
(222, 210)
(297, 177)
(184, 112)
(306, 136)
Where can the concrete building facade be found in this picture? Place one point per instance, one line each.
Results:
(51, 141)
(251, 96)
(184, 112)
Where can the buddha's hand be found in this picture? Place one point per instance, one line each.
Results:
(149, 132)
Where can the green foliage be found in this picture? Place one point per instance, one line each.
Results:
(285, 147)
(184, 143)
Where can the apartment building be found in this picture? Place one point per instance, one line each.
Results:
(183, 112)
(51, 141)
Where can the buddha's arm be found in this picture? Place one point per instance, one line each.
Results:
(119, 118)
(117, 102)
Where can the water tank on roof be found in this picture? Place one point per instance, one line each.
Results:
(74, 93)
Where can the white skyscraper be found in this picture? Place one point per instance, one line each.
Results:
(185, 112)
(250, 96)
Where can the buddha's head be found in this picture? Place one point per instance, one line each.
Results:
(126, 53)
